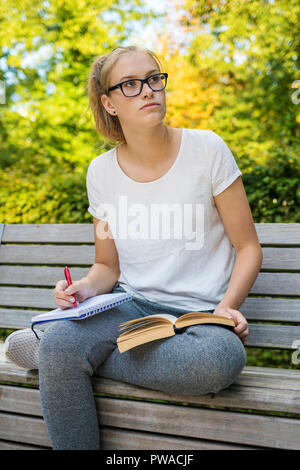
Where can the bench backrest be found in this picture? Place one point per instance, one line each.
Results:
(33, 257)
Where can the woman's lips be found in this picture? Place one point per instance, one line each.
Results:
(150, 106)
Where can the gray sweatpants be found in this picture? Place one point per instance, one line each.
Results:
(203, 359)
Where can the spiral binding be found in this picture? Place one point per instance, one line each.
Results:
(102, 309)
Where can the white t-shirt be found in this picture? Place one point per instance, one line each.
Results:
(171, 242)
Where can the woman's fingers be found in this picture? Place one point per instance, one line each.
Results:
(63, 299)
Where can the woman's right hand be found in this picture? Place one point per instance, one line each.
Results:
(65, 296)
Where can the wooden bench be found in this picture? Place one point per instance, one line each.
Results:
(32, 258)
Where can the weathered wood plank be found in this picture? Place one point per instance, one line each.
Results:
(37, 275)
(17, 319)
(239, 428)
(119, 439)
(242, 394)
(8, 445)
(20, 400)
(72, 255)
(48, 233)
(281, 259)
(267, 283)
(110, 438)
(24, 429)
(272, 336)
(185, 421)
(271, 309)
(284, 310)
(75, 255)
(278, 234)
(268, 389)
(285, 233)
(260, 335)
(27, 297)
(276, 284)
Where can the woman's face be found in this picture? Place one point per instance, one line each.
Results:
(135, 64)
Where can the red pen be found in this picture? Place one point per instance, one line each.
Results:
(69, 281)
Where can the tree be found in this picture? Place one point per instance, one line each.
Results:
(252, 46)
(47, 140)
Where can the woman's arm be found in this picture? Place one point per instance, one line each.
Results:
(246, 268)
(235, 212)
(105, 272)
(102, 276)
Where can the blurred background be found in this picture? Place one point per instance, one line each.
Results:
(233, 68)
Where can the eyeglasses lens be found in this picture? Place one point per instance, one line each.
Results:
(133, 87)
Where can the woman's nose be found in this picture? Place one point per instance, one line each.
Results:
(147, 89)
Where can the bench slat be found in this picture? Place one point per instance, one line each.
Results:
(27, 297)
(185, 421)
(271, 309)
(268, 389)
(276, 284)
(272, 336)
(284, 310)
(273, 258)
(17, 319)
(195, 422)
(113, 438)
(260, 335)
(10, 372)
(48, 233)
(281, 259)
(48, 254)
(266, 283)
(8, 445)
(110, 438)
(24, 429)
(37, 275)
(285, 234)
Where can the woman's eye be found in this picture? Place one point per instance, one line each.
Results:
(131, 83)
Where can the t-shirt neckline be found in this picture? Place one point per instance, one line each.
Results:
(165, 175)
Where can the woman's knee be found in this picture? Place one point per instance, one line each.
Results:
(225, 358)
(59, 346)
(216, 357)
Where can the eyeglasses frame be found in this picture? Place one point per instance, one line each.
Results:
(142, 80)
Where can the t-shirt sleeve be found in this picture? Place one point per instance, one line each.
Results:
(94, 195)
(224, 168)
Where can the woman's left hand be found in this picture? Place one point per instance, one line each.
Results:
(241, 324)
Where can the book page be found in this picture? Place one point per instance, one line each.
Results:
(162, 316)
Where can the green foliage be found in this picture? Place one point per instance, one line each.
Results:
(52, 197)
(273, 189)
(277, 358)
(251, 49)
(47, 138)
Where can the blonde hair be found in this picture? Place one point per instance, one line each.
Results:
(98, 83)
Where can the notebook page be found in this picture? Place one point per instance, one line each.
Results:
(87, 306)
(99, 301)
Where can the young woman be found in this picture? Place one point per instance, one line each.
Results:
(173, 227)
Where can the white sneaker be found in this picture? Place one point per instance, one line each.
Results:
(21, 347)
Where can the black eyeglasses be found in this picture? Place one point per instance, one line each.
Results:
(134, 86)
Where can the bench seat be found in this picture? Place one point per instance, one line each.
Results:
(158, 425)
(260, 410)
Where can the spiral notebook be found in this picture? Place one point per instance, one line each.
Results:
(87, 308)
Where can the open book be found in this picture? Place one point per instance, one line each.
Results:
(145, 329)
(88, 307)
